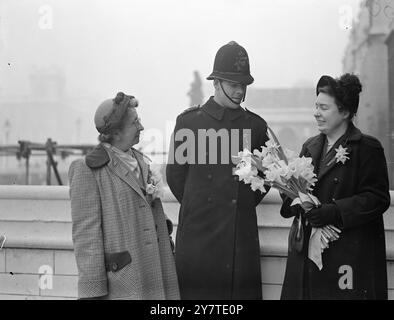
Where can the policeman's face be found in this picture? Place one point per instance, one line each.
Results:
(328, 117)
(130, 134)
(234, 90)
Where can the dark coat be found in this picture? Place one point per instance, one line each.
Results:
(360, 190)
(217, 245)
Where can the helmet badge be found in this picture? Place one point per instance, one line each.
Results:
(241, 61)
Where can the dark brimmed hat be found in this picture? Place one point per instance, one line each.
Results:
(232, 64)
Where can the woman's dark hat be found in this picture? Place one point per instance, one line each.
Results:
(326, 81)
(232, 64)
(346, 90)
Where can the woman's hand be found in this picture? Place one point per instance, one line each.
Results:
(329, 233)
(322, 216)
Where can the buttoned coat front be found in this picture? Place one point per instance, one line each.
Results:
(110, 216)
(217, 244)
(354, 266)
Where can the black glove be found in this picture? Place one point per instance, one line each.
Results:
(287, 210)
(170, 226)
(323, 215)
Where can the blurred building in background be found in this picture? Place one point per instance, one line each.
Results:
(368, 55)
(288, 111)
(41, 112)
(45, 110)
(195, 93)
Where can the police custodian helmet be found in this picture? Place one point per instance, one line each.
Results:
(232, 64)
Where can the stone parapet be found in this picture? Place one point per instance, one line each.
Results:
(37, 223)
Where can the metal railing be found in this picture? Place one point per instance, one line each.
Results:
(27, 149)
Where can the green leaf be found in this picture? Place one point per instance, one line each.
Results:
(281, 154)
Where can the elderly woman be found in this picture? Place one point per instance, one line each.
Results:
(353, 188)
(120, 232)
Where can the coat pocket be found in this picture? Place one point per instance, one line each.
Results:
(117, 261)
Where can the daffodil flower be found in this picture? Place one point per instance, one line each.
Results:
(154, 185)
(341, 154)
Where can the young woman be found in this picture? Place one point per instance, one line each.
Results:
(353, 188)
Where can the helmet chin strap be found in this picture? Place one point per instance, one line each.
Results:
(243, 99)
(225, 93)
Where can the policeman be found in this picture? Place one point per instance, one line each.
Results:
(217, 245)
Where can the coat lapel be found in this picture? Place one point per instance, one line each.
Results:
(144, 166)
(353, 134)
(327, 165)
(315, 149)
(117, 167)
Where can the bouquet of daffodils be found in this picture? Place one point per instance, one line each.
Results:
(292, 176)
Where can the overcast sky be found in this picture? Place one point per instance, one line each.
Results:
(150, 48)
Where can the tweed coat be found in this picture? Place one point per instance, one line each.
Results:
(360, 190)
(112, 221)
(217, 244)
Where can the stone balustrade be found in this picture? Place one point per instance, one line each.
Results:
(36, 221)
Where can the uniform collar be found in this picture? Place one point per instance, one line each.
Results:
(236, 113)
(217, 111)
(213, 109)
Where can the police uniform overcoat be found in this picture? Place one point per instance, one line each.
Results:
(354, 266)
(217, 245)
